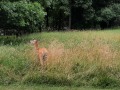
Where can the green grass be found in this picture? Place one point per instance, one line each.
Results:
(76, 58)
(26, 87)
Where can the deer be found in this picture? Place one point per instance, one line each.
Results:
(42, 53)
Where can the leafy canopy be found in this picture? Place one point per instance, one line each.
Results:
(22, 14)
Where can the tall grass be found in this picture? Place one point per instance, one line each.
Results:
(86, 58)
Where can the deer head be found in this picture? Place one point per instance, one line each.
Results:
(34, 41)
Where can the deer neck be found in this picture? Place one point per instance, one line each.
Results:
(36, 46)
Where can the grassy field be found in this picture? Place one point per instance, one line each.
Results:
(76, 58)
(26, 87)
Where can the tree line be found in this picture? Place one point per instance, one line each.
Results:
(27, 16)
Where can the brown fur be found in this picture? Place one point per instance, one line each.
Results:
(42, 53)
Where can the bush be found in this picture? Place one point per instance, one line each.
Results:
(109, 17)
(46, 78)
(107, 14)
(21, 15)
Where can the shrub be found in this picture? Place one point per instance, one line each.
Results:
(21, 15)
(107, 14)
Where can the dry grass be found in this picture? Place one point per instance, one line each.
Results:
(90, 51)
(84, 58)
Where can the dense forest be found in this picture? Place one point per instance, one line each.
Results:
(27, 16)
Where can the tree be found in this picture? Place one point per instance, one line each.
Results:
(82, 14)
(21, 15)
(57, 12)
(111, 14)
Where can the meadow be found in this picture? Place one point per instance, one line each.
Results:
(76, 58)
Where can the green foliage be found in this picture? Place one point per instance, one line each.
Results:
(11, 40)
(116, 9)
(105, 81)
(22, 14)
(47, 87)
(107, 14)
(111, 12)
(12, 67)
(44, 3)
(45, 78)
(29, 15)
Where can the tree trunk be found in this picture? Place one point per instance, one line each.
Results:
(70, 15)
(47, 18)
